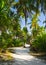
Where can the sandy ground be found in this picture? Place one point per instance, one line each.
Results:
(22, 57)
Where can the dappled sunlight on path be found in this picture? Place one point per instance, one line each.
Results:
(23, 58)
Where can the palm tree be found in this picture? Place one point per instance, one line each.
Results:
(34, 25)
(45, 20)
(27, 6)
(7, 23)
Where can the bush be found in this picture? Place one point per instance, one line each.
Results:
(5, 41)
(39, 44)
(17, 42)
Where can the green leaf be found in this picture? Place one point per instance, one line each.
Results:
(2, 4)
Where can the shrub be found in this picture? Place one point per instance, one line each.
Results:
(17, 42)
(39, 44)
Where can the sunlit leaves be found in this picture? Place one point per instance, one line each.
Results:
(2, 4)
(9, 25)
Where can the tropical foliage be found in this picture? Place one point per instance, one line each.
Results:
(10, 30)
(39, 43)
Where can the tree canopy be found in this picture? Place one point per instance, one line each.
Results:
(10, 14)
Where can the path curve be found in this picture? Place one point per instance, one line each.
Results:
(22, 57)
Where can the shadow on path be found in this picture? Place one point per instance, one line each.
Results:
(21, 57)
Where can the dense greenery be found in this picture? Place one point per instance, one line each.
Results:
(39, 43)
(10, 29)
(17, 42)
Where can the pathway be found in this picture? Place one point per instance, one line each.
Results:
(22, 57)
